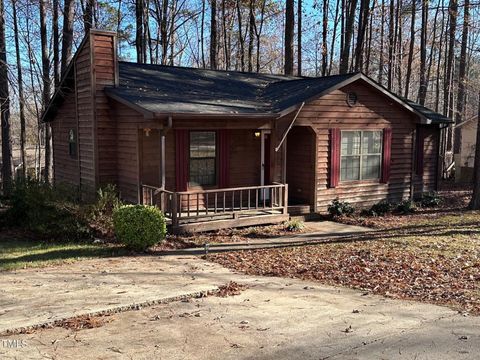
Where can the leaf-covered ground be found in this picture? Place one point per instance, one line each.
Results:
(427, 257)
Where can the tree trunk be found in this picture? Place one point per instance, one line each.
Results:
(88, 15)
(46, 90)
(251, 34)
(335, 25)
(289, 33)
(241, 40)
(422, 90)
(410, 50)
(349, 26)
(390, 45)
(164, 32)
(213, 36)
(5, 108)
(139, 31)
(258, 32)
(325, 37)
(56, 45)
(21, 98)
(382, 37)
(67, 39)
(362, 26)
(462, 79)
(299, 38)
(452, 10)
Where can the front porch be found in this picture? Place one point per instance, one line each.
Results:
(205, 210)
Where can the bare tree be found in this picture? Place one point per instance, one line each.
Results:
(462, 78)
(5, 108)
(422, 90)
(349, 27)
(410, 50)
(21, 98)
(213, 36)
(289, 33)
(325, 37)
(299, 37)
(67, 38)
(362, 27)
(139, 35)
(46, 90)
(88, 15)
(56, 45)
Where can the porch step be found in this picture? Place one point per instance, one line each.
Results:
(296, 210)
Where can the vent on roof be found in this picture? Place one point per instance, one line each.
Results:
(352, 99)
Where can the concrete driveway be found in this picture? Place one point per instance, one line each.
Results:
(274, 318)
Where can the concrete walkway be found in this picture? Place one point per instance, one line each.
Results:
(315, 232)
(274, 318)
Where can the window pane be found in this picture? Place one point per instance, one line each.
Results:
(351, 142)
(350, 168)
(371, 166)
(372, 142)
(202, 144)
(202, 158)
(202, 171)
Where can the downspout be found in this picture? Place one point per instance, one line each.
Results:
(289, 127)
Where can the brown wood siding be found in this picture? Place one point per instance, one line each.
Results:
(66, 167)
(127, 150)
(373, 111)
(104, 75)
(151, 158)
(301, 165)
(85, 111)
(245, 154)
(428, 182)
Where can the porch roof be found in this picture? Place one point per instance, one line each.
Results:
(157, 90)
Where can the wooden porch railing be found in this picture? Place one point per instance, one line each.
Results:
(205, 205)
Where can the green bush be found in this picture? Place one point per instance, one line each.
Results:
(100, 213)
(406, 207)
(430, 199)
(379, 209)
(46, 211)
(294, 225)
(138, 226)
(340, 208)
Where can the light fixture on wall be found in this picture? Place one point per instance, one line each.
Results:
(147, 131)
(257, 134)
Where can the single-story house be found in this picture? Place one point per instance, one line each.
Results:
(224, 148)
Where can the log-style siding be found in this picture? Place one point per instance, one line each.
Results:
(301, 165)
(66, 166)
(373, 111)
(85, 114)
(428, 180)
(104, 75)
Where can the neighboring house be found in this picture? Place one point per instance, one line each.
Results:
(464, 161)
(224, 148)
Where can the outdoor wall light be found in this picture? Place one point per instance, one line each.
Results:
(147, 132)
(257, 134)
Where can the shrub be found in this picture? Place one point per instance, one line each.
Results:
(43, 210)
(294, 225)
(340, 208)
(379, 209)
(100, 213)
(139, 227)
(406, 207)
(430, 199)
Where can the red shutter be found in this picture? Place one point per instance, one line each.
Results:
(387, 154)
(420, 151)
(181, 161)
(335, 141)
(223, 153)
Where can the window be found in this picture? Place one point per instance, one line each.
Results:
(203, 158)
(361, 155)
(72, 143)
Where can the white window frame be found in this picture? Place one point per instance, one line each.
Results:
(361, 155)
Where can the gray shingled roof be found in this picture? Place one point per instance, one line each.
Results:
(158, 89)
